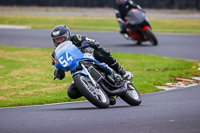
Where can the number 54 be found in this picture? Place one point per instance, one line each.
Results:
(64, 62)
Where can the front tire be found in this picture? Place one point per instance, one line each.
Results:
(132, 96)
(95, 95)
(151, 37)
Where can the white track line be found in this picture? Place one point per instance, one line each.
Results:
(14, 27)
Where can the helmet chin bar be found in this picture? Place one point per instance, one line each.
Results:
(56, 44)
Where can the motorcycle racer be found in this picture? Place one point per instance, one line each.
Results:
(121, 9)
(62, 33)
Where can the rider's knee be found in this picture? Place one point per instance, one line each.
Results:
(73, 92)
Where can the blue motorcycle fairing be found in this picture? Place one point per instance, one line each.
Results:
(105, 67)
(67, 56)
(89, 56)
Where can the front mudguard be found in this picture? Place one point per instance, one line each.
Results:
(80, 71)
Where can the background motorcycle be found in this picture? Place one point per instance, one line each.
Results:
(94, 80)
(138, 27)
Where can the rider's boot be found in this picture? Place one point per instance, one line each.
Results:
(125, 35)
(119, 69)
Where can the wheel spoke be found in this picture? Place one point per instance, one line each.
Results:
(95, 91)
(132, 92)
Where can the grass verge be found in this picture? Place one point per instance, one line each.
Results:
(27, 75)
(98, 23)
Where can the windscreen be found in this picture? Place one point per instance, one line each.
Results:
(135, 16)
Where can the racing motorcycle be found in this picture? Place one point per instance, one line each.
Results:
(138, 27)
(96, 81)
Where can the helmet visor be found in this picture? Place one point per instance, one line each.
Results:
(59, 39)
(121, 2)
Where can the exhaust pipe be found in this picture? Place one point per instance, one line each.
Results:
(119, 91)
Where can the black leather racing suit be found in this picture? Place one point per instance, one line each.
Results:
(101, 54)
(121, 12)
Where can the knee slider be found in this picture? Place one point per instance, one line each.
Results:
(73, 92)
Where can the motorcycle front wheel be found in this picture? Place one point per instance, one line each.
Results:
(151, 37)
(93, 94)
(132, 96)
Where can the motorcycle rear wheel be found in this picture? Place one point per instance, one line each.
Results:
(132, 96)
(93, 94)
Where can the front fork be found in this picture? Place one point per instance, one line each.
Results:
(90, 77)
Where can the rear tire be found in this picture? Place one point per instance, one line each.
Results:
(95, 95)
(132, 97)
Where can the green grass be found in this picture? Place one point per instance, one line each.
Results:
(98, 23)
(176, 25)
(27, 75)
(48, 22)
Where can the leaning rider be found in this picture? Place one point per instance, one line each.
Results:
(62, 33)
(121, 10)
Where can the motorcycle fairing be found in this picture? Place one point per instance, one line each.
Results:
(135, 16)
(88, 56)
(67, 56)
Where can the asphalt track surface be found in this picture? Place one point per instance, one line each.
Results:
(176, 111)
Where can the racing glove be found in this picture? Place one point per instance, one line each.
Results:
(94, 45)
(86, 44)
(60, 74)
